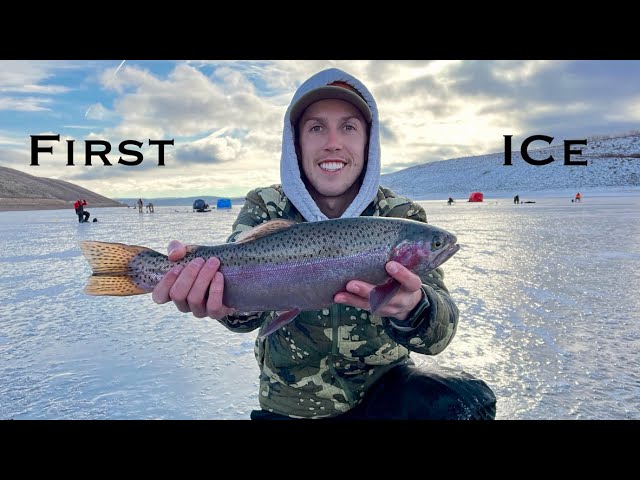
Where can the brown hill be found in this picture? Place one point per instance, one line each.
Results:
(21, 191)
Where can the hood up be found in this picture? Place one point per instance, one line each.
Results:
(290, 175)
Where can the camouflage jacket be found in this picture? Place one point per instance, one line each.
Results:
(322, 363)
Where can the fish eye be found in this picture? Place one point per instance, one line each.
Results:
(437, 242)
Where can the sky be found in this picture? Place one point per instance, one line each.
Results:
(226, 117)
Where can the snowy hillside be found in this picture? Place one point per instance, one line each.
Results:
(611, 163)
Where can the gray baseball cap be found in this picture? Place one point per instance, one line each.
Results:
(338, 90)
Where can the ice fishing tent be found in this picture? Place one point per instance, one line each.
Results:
(199, 205)
(223, 203)
(476, 197)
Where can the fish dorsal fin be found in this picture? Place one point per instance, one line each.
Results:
(264, 229)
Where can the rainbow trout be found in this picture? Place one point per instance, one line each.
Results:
(285, 266)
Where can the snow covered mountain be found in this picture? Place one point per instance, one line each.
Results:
(612, 163)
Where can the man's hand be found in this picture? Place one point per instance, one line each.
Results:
(405, 300)
(188, 286)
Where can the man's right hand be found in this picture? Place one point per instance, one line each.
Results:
(187, 286)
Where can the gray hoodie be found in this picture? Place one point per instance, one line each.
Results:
(292, 184)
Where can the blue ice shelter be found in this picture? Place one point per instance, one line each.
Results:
(224, 203)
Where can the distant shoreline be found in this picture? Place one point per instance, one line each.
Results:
(34, 204)
(28, 204)
(526, 194)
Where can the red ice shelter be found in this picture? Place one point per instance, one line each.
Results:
(476, 197)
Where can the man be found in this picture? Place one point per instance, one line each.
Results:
(340, 362)
(77, 205)
(83, 216)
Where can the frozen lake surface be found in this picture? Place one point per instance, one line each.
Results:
(548, 298)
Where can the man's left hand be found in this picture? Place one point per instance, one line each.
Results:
(405, 300)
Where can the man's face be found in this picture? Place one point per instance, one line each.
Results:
(333, 137)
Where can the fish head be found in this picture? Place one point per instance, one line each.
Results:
(422, 247)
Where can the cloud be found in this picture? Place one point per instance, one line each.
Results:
(9, 140)
(16, 159)
(210, 150)
(386, 134)
(25, 104)
(30, 77)
(188, 102)
(545, 96)
(81, 127)
(97, 111)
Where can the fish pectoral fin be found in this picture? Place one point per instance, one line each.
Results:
(264, 229)
(280, 321)
(381, 294)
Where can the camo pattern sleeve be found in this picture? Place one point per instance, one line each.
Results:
(388, 204)
(261, 205)
(433, 323)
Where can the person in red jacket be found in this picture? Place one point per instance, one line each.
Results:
(83, 216)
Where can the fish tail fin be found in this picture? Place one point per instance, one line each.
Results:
(122, 285)
(111, 267)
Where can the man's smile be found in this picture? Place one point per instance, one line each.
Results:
(331, 165)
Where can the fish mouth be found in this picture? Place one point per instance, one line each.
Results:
(443, 255)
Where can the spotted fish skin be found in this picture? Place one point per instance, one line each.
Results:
(298, 266)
